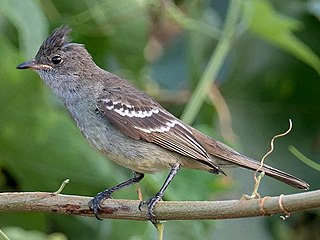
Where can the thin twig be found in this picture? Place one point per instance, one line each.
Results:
(272, 144)
(223, 112)
(63, 184)
(3, 235)
(257, 179)
(164, 210)
(160, 230)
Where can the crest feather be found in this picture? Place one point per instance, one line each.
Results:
(57, 40)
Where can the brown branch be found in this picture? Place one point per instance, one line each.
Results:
(166, 210)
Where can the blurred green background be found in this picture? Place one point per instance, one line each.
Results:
(263, 61)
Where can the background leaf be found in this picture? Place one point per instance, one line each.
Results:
(25, 15)
(278, 29)
(262, 85)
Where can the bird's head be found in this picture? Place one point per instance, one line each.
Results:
(59, 62)
(58, 54)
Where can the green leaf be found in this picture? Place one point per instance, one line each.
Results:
(24, 14)
(304, 159)
(278, 29)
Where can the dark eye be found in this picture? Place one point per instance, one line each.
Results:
(56, 60)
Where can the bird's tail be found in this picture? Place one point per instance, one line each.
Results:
(226, 156)
(287, 178)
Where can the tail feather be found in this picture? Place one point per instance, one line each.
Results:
(226, 156)
(251, 164)
(285, 177)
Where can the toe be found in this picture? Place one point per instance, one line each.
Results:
(141, 205)
(94, 204)
(151, 204)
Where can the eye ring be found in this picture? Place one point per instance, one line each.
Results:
(56, 59)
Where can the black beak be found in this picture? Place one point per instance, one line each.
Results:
(25, 65)
(33, 65)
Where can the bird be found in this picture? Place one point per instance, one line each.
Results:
(129, 127)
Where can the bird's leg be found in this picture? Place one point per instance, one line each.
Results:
(154, 200)
(94, 204)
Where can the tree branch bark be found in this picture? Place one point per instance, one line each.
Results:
(166, 210)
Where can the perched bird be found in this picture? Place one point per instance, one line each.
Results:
(127, 125)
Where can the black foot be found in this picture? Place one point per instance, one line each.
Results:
(151, 203)
(94, 204)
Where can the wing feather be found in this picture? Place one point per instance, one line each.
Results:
(138, 116)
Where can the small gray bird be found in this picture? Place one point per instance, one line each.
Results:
(128, 126)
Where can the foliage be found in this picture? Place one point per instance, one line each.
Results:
(267, 73)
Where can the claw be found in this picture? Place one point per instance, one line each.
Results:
(152, 202)
(94, 204)
(141, 204)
